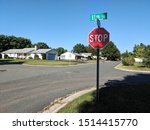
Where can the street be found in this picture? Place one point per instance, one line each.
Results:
(29, 89)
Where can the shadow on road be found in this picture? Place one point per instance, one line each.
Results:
(10, 62)
(131, 95)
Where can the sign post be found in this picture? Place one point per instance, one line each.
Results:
(97, 76)
(98, 38)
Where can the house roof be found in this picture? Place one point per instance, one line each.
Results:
(26, 50)
(41, 51)
(14, 51)
(86, 54)
(76, 54)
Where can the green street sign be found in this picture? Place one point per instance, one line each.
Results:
(101, 16)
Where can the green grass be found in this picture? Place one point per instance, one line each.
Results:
(52, 62)
(117, 99)
(40, 62)
(137, 66)
(72, 107)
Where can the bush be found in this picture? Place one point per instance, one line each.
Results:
(0, 56)
(44, 56)
(146, 62)
(128, 61)
(30, 58)
(6, 56)
(36, 57)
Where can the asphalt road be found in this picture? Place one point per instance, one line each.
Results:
(31, 88)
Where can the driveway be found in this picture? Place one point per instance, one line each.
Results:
(31, 88)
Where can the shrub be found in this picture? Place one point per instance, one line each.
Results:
(146, 62)
(6, 56)
(43, 56)
(0, 56)
(128, 61)
(36, 57)
(30, 58)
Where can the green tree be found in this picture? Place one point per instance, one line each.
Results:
(23, 42)
(127, 54)
(3, 43)
(89, 49)
(111, 51)
(12, 42)
(60, 50)
(79, 48)
(139, 50)
(147, 51)
(146, 61)
(42, 45)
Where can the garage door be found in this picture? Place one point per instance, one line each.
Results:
(51, 56)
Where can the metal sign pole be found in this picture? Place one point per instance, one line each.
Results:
(97, 77)
(97, 71)
(98, 38)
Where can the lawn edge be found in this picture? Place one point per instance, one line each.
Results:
(59, 103)
(119, 65)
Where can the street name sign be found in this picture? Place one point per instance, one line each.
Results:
(101, 16)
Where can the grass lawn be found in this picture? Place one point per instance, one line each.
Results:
(137, 66)
(73, 107)
(40, 62)
(117, 99)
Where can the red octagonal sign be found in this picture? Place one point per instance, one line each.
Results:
(98, 37)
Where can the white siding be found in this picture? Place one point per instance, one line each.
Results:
(67, 56)
(140, 60)
(40, 56)
(12, 55)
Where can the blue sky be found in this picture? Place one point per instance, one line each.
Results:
(64, 23)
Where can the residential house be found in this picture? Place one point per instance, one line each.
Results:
(86, 56)
(75, 56)
(27, 53)
(139, 60)
(70, 56)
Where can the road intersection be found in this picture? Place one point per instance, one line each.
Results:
(31, 88)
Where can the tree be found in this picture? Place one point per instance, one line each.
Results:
(89, 49)
(146, 61)
(127, 54)
(139, 50)
(12, 42)
(111, 51)
(147, 51)
(79, 48)
(42, 45)
(60, 50)
(128, 58)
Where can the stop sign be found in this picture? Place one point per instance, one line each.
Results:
(98, 37)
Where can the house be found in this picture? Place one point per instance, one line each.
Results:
(86, 55)
(139, 60)
(70, 56)
(30, 53)
(50, 54)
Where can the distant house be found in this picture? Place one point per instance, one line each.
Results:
(70, 56)
(87, 55)
(75, 56)
(140, 60)
(28, 53)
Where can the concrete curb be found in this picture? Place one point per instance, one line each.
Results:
(138, 71)
(59, 103)
(55, 66)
